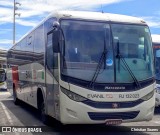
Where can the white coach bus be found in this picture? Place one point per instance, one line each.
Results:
(85, 68)
(156, 52)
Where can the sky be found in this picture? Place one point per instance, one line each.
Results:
(33, 11)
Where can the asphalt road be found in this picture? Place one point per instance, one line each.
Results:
(25, 115)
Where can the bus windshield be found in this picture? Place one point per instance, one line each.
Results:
(156, 51)
(135, 47)
(2, 75)
(86, 42)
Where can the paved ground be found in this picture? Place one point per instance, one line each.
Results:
(24, 115)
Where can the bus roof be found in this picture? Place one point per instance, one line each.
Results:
(155, 38)
(97, 16)
(91, 16)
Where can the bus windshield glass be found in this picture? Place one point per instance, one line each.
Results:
(156, 51)
(2, 75)
(85, 43)
(135, 47)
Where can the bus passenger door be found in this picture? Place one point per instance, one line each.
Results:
(51, 76)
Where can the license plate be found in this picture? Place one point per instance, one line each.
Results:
(113, 122)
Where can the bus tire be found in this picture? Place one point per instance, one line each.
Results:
(42, 109)
(44, 117)
(15, 99)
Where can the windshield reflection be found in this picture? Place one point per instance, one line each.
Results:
(85, 43)
(135, 47)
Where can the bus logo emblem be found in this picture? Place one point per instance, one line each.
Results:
(115, 105)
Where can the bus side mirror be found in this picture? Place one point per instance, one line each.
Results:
(55, 41)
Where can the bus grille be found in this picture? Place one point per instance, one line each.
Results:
(113, 115)
(109, 105)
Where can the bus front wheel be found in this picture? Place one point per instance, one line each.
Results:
(42, 110)
(44, 117)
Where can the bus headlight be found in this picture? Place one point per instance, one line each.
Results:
(148, 96)
(72, 95)
(2, 83)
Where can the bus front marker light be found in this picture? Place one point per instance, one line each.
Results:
(71, 113)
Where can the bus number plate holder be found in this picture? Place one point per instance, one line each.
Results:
(113, 121)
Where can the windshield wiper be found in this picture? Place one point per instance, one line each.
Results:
(100, 63)
(120, 57)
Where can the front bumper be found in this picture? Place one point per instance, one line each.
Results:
(72, 112)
